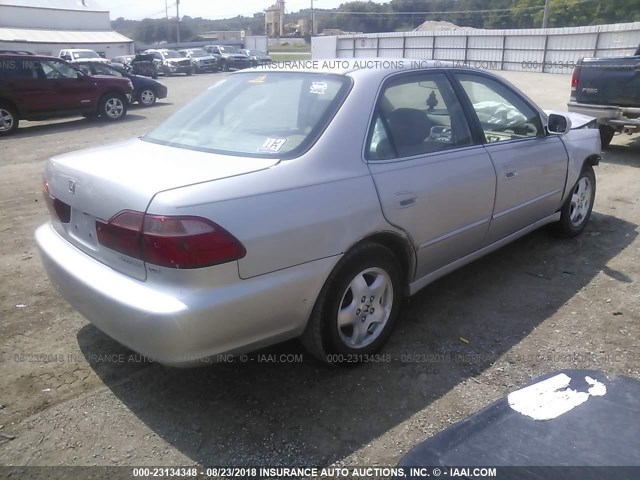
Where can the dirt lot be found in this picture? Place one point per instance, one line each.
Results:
(538, 305)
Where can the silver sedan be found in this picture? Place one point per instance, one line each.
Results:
(306, 203)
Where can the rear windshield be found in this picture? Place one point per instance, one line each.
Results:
(85, 54)
(257, 114)
(199, 53)
(171, 54)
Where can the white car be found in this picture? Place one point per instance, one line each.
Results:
(81, 54)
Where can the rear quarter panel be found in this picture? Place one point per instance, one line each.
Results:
(300, 210)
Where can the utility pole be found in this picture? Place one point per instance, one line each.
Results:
(312, 22)
(545, 15)
(178, 22)
(166, 10)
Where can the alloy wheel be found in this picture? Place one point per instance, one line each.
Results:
(580, 201)
(6, 120)
(365, 308)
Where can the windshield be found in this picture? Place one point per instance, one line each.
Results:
(199, 53)
(85, 54)
(171, 54)
(251, 114)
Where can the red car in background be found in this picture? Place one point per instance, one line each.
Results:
(34, 87)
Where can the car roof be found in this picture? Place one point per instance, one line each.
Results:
(346, 66)
(31, 56)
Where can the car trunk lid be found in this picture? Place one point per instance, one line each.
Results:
(100, 182)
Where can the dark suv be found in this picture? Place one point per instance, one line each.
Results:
(34, 87)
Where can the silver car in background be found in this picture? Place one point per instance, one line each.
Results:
(306, 203)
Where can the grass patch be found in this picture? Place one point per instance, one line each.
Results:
(283, 57)
(292, 47)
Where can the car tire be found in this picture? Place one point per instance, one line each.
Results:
(223, 66)
(8, 119)
(606, 135)
(350, 318)
(576, 211)
(113, 106)
(147, 97)
(189, 73)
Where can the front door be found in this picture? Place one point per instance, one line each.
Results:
(73, 92)
(531, 166)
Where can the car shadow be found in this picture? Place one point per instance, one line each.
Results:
(275, 409)
(73, 124)
(624, 151)
(158, 104)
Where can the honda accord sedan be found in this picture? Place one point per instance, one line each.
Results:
(306, 203)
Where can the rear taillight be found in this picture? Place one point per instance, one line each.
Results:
(122, 233)
(57, 208)
(575, 80)
(168, 241)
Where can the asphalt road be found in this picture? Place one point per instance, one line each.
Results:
(69, 395)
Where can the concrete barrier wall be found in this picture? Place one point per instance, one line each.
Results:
(552, 50)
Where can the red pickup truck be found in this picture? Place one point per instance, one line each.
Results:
(34, 87)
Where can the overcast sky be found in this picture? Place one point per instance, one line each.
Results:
(213, 9)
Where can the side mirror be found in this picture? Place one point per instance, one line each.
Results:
(558, 124)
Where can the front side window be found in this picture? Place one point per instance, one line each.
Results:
(416, 115)
(53, 69)
(503, 114)
(252, 114)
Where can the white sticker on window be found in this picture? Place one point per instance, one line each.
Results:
(272, 145)
(319, 88)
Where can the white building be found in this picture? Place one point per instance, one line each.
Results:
(47, 26)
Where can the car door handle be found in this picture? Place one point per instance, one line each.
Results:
(406, 199)
(511, 174)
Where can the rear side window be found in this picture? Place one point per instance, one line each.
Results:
(416, 114)
(18, 69)
(257, 114)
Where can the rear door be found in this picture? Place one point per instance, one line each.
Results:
(432, 180)
(21, 82)
(531, 166)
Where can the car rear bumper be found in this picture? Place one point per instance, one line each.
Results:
(608, 114)
(179, 325)
(161, 92)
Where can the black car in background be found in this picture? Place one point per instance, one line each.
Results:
(123, 61)
(145, 90)
(147, 65)
(229, 57)
(201, 60)
(256, 57)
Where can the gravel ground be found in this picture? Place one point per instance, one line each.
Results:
(69, 395)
